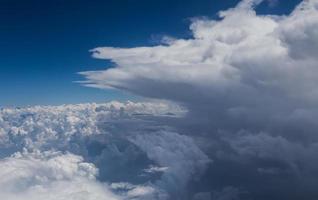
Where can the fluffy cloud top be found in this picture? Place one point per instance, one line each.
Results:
(50, 175)
(243, 55)
(95, 151)
(249, 82)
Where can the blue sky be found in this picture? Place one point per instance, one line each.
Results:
(44, 43)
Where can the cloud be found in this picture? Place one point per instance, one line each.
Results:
(87, 151)
(226, 193)
(50, 175)
(155, 169)
(249, 83)
(271, 58)
(185, 160)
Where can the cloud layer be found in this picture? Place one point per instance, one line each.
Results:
(249, 83)
(50, 175)
(96, 151)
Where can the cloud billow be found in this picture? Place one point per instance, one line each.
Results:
(109, 151)
(249, 83)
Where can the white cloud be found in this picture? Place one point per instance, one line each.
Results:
(155, 169)
(51, 176)
(270, 58)
(185, 160)
(249, 78)
(101, 138)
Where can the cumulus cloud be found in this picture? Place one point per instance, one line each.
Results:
(185, 160)
(95, 151)
(50, 175)
(271, 58)
(249, 82)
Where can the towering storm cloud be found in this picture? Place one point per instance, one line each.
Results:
(249, 83)
(228, 114)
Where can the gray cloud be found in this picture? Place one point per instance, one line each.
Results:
(96, 151)
(249, 83)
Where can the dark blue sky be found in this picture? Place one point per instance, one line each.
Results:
(44, 43)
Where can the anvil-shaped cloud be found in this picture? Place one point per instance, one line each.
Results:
(249, 83)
